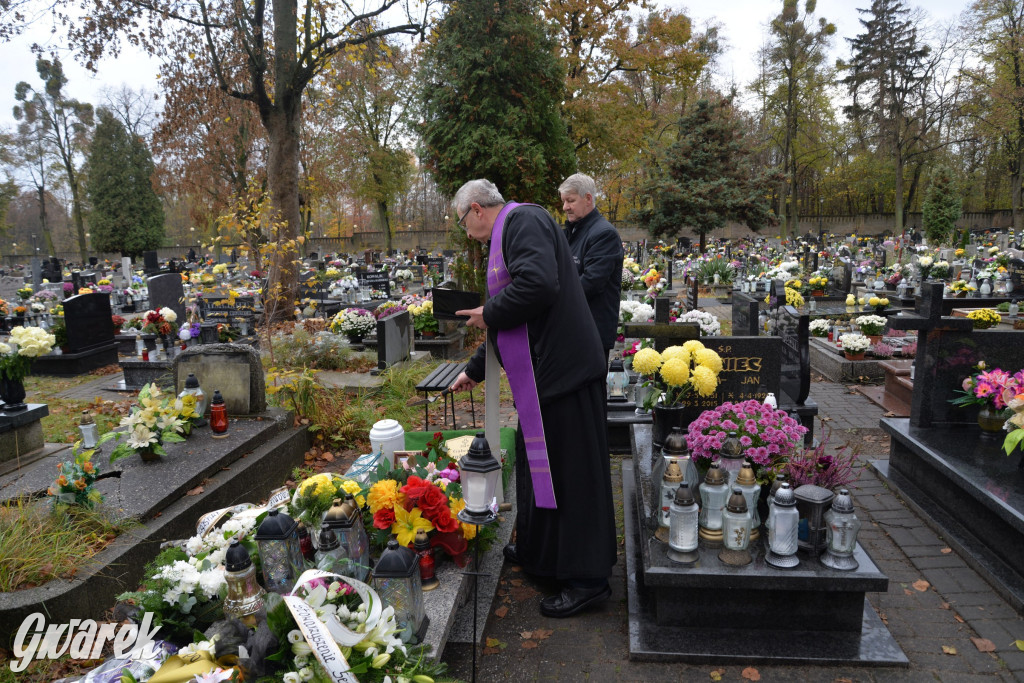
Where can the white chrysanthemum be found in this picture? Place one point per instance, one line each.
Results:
(210, 583)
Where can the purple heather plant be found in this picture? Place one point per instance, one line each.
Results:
(765, 434)
(815, 466)
(882, 350)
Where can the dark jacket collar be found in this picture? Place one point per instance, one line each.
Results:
(571, 227)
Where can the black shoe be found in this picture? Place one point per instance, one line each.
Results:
(573, 600)
(509, 551)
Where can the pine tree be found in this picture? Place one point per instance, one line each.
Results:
(708, 177)
(126, 213)
(491, 92)
(942, 205)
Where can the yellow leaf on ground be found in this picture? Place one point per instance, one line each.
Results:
(984, 644)
(949, 649)
(751, 674)
(716, 675)
(921, 585)
(1019, 644)
(494, 642)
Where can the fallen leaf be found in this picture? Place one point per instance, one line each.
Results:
(492, 650)
(946, 551)
(516, 582)
(494, 642)
(907, 591)
(523, 593)
(984, 644)
(843, 680)
(329, 457)
(501, 612)
(529, 644)
(944, 605)
(526, 635)
(958, 618)
(949, 650)
(751, 674)
(890, 414)
(542, 633)
(921, 585)
(194, 492)
(1019, 644)
(716, 675)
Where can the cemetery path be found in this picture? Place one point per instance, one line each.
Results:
(940, 611)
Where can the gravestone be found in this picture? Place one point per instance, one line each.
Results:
(93, 261)
(378, 281)
(233, 369)
(436, 264)
(88, 321)
(167, 291)
(1016, 271)
(792, 329)
(751, 368)
(151, 263)
(692, 293)
(394, 340)
(37, 274)
(745, 312)
(126, 269)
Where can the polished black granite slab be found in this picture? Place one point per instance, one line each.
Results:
(779, 640)
(970, 489)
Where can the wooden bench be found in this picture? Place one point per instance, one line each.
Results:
(438, 381)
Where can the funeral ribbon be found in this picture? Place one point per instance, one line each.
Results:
(323, 637)
(514, 345)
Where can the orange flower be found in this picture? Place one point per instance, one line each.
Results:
(87, 467)
(80, 484)
(62, 480)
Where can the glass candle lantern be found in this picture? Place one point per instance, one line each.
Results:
(669, 483)
(397, 580)
(140, 345)
(480, 475)
(280, 553)
(347, 523)
(87, 427)
(782, 529)
(812, 501)
(306, 543)
(331, 555)
(428, 578)
(218, 416)
(747, 483)
(736, 530)
(842, 526)
(193, 393)
(780, 479)
(675, 447)
(245, 598)
(617, 381)
(683, 524)
(713, 494)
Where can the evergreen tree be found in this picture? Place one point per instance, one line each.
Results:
(708, 177)
(491, 91)
(126, 213)
(942, 205)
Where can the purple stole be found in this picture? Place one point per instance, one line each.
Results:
(514, 345)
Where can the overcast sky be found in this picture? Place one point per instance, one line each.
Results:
(744, 27)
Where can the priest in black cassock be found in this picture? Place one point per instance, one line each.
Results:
(565, 526)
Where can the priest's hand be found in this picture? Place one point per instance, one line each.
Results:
(462, 383)
(476, 317)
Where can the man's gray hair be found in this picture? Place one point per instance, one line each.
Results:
(579, 183)
(483, 192)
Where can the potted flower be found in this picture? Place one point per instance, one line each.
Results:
(854, 346)
(388, 309)
(20, 311)
(423, 318)
(73, 485)
(118, 323)
(354, 323)
(924, 267)
(818, 285)
(819, 327)
(961, 288)
(878, 303)
(816, 466)
(871, 326)
(675, 375)
(984, 318)
(16, 361)
(155, 421)
(991, 390)
(24, 293)
(59, 329)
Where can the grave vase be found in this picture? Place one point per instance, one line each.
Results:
(12, 391)
(990, 420)
(355, 338)
(667, 417)
(148, 455)
(854, 356)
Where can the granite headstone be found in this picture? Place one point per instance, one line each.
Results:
(792, 329)
(394, 339)
(151, 263)
(167, 291)
(233, 369)
(88, 321)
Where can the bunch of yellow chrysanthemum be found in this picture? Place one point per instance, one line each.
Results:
(984, 318)
(680, 371)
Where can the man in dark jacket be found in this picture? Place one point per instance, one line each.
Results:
(565, 525)
(597, 251)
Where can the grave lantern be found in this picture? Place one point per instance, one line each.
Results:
(617, 380)
(811, 502)
(747, 483)
(682, 535)
(736, 531)
(330, 555)
(479, 472)
(842, 526)
(88, 429)
(670, 481)
(280, 553)
(784, 524)
(397, 579)
(675, 447)
(428, 579)
(345, 520)
(218, 416)
(193, 389)
(713, 495)
(245, 598)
